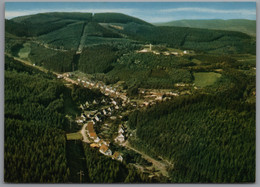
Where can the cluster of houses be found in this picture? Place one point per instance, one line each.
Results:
(151, 96)
(100, 143)
(106, 90)
(96, 116)
(64, 75)
(148, 49)
(120, 137)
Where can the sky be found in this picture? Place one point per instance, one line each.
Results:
(152, 12)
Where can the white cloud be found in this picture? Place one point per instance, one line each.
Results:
(12, 14)
(209, 10)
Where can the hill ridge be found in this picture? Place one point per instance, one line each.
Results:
(242, 25)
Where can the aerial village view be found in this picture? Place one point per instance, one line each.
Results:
(129, 92)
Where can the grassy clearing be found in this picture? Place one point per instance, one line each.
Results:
(25, 51)
(74, 136)
(196, 61)
(204, 79)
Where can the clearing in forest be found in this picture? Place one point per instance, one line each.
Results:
(203, 79)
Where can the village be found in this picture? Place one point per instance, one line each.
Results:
(102, 123)
(164, 51)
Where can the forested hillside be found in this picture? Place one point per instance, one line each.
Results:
(241, 25)
(65, 30)
(213, 41)
(208, 137)
(36, 149)
(35, 125)
(177, 104)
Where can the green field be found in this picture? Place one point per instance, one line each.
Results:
(25, 51)
(204, 79)
(74, 136)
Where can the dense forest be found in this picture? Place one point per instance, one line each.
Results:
(36, 149)
(151, 71)
(205, 129)
(101, 169)
(208, 137)
(241, 25)
(35, 141)
(97, 59)
(65, 29)
(213, 41)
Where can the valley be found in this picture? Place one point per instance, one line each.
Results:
(127, 101)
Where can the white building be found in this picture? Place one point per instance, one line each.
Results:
(105, 150)
(120, 138)
(117, 156)
(97, 118)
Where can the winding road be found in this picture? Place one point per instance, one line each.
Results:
(84, 134)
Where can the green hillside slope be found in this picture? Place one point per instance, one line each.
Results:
(66, 29)
(117, 18)
(241, 25)
(214, 41)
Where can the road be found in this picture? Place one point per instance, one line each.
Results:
(157, 164)
(84, 134)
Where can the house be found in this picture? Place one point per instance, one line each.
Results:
(90, 127)
(113, 117)
(105, 150)
(116, 107)
(155, 52)
(94, 102)
(83, 116)
(174, 53)
(59, 76)
(81, 106)
(117, 156)
(103, 101)
(96, 118)
(94, 136)
(102, 142)
(120, 129)
(104, 112)
(143, 51)
(120, 138)
(114, 102)
(79, 120)
(93, 145)
(146, 103)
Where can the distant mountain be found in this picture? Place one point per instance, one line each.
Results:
(241, 25)
(77, 16)
(68, 30)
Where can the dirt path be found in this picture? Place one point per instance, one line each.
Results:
(82, 39)
(157, 164)
(29, 64)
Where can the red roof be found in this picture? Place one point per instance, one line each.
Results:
(116, 155)
(90, 127)
(103, 148)
(93, 134)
